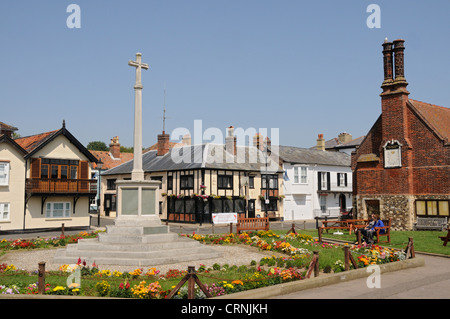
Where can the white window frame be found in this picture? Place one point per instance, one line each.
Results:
(323, 180)
(341, 177)
(303, 175)
(5, 209)
(51, 210)
(4, 173)
(300, 175)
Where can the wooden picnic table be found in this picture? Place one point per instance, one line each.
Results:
(349, 224)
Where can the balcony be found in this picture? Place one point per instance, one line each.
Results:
(47, 186)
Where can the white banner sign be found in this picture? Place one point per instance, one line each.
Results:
(224, 218)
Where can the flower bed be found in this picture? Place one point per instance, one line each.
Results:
(294, 254)
(51, 242)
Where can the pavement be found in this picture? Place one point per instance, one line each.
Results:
(429, 278)
(431, 281)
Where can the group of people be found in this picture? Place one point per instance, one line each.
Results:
(369, 230)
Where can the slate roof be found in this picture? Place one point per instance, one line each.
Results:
(298, 155)
(206, 155)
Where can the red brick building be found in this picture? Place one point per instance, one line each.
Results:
(402, 167)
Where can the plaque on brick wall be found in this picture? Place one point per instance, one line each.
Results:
(392, 154)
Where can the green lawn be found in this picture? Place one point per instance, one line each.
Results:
(424, 241)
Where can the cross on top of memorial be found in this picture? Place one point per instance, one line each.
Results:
(139, 66)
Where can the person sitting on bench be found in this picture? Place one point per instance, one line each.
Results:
(368, 231)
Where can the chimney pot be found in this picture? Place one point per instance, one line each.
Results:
(114, 147)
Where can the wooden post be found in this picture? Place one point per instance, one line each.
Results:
(292, 230)
(320, 234)
(358, 235)
(62, 230)
(191, 282)
(192, 279)
(231, 228)
(41, 280)
(346, 258)
(316, 266)
(410, 248)
(313, 265)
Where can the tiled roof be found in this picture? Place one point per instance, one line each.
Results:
(6, 127)
(29, 143)
(437, 117)
(110, 162)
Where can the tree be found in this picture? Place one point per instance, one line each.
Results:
(97, 146)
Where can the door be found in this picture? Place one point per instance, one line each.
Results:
(342, 203)
(107, 203)
(373, 207)
(251, 208)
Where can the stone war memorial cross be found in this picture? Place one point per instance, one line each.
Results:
(137, 173)
(137, 237)
(136, 198)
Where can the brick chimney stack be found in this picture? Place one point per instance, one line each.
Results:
(394, 67)
(344, 137)
(230, 141)
(394, 98)
(267, 142)
(320, 143)
(163, 144)
(258, 141)
(187, 140)
(114, 147)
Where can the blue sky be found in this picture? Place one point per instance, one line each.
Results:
(304, 67)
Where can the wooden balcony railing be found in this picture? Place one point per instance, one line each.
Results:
(61, 186)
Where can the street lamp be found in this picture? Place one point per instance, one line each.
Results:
(99, 179)
(267, 200)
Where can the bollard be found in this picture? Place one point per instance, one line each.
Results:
(62, 230)
(41, 280)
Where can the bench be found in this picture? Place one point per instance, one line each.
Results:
(336, 224)
(252, 224)
(349, 224)
(387, 231)
(431, 223)
(445, 239)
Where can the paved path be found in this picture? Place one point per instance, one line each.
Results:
(429, 282)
